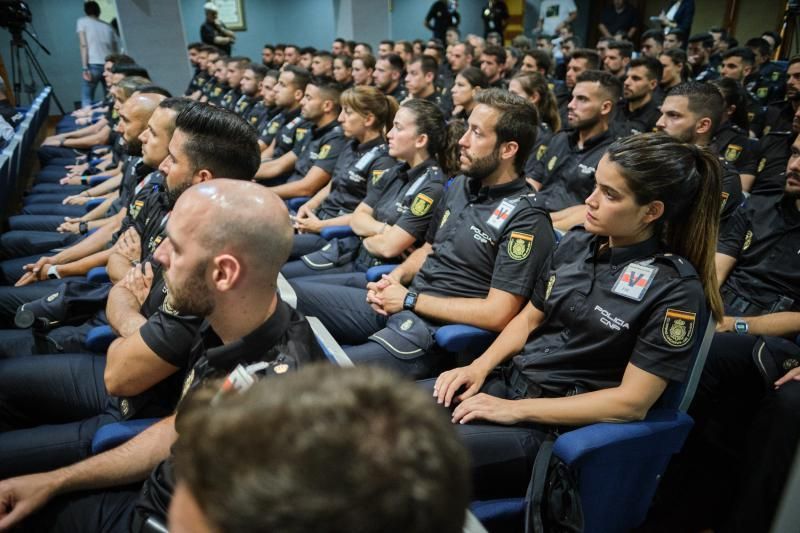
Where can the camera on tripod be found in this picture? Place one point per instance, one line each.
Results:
(14, 15)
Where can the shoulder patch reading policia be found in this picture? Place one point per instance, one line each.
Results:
(678, 327)
(520, 245)
(732, 153)
(421, 205)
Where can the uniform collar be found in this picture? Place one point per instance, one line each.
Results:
(419, 170)
(478, 193)
(253, 345)
(591, 142)
(291, 114)
(369, 145)
(621, 255)
(786, 205)
(319, 132)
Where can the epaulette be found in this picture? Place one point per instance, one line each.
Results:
(683, 266)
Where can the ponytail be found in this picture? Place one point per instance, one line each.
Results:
(429, 121)
(367, 100)
(687, 179)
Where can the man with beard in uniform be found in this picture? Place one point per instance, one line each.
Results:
(639, 112)
(226, 243)
(420, 78)
(277, 136)
(250, 86)
(580, 61)
(236, 67)
(143, 367)
(486, 243)
(690, 113)
(564, 175)
(388, 76)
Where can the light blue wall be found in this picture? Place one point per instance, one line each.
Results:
(54, 22)
(408, 16)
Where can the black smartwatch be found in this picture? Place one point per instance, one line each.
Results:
(410, 301)
(83, 228)
(740, 326)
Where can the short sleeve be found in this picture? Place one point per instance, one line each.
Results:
(733, 239)
(436, 220)
(170, 336)
(329, 151)
(666, 340)
(524, 251)
(416, 220)
(376, 189)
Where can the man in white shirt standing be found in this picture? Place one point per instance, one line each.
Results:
(98, 39)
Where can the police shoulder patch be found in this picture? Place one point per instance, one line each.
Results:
(377, 175)
(678, 327)
(550, 283)
(540, 152)
(763, 162)
(552, 163)
(762, 92)
(421, 204)
(520, 245)
(445, 216)
(725, 197)
(748, 240)
(732, 152)
(324, 151)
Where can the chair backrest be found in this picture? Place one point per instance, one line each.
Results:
(679, 394)
(286, 292)
(332, 350)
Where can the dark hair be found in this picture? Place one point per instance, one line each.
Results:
(625, 48)
(395, 61)
(210, 48)
(775, 37)
(388, 41)
(468, 48)
(651, 64)
(747, 55)
(130, 70)
(259, 70)
(272, 73)
(329, 88)
(362, 451)
(308, 50)
(518, 121)
(534, 82)
(346, 59)
(291, 46)
(609, 84)
(365, 45)
(759, 44)
(280, 46)
(543, 60)
(794, 59)
(705, 100)
(242, 62)
(574, 39)
(92, 9)
(175, 104)
(498, 52)
(300, 78)
(734, 95)
(429, 120)
(340, 40)
(121, 59)
(154, 89)
(427, 64)
(408, 48)
(687, 179)
(366, 100)
(474, 77)
(324, 54)
(267, 45)
(733, 42)
(656, 35)
(592, 57)
(368, 60)
(678, 57)
(450, 159)
(194, 46)
(706, 39)
(219, 140)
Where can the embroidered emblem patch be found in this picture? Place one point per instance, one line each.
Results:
(678, 327)
(550, 283)
(520, 245)
(725, 196)
(748, 240)
(733, 152)
(324, 151)
(762, 163)
(540, 152)
(405, 326)
(762, 92)
(445, 216)
(421, 205)
(377, 175)
(52, 297)
(273, 127)
(552, 162)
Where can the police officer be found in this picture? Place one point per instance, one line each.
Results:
(690, 113)
(616, 314)
(236, 68)
(268, 339)
(731, 138)
(264, 109)
(420, 77)
(639, 112)
(768, 80)
(565, 171)
(758, 260)
(384, 222)
(388, 76)
(366, 113)
(737, 64)
(215, 89)
(484, 243)
(277, 136)
(250, 86)
(309, 165)
(698, 52)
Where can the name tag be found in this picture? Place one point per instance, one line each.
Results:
(501, 214)
(634, 281)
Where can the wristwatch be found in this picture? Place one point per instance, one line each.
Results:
(740, 326)
(410, 301)
(52, 272)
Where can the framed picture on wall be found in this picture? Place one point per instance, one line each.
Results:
(231, 13)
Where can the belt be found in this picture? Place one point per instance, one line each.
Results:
(521, 386)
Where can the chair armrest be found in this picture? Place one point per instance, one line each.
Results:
(663, 431)
(375, 273)
(294, 203)
(99, 338)
(98, 275)
(336, 232)
(112, 435)
(456, 338)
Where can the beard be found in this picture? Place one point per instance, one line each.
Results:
(192, 297)
(483, 167)
(134, 147)
(174, 193)
(584, 124)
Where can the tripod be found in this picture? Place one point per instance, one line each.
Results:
(20, 46)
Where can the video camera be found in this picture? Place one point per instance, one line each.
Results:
(14, 15)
